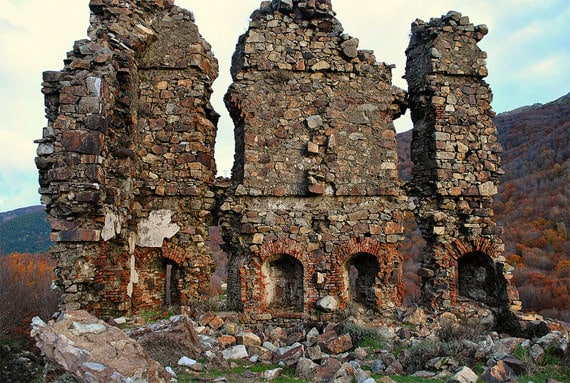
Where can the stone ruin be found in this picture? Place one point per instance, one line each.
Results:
(127, 159)
(315, 189)
(456, 170)
(314, 210)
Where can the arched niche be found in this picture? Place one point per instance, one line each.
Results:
(481, 279)
(284, 283)
(361, 271)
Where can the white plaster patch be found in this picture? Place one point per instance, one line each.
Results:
(112, 226)
(156, 228)
(134, 278)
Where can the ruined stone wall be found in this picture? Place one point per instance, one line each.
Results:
(456, 160)
(315, 180)
(126, 160)
(313, 215)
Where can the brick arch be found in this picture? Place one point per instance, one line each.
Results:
(254, 296)
(358, 245)
(388, 290)
(460, 248)
(287, 246)
(452, 254)
(174, 253)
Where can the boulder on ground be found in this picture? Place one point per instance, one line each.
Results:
(328, 304)
(93, 351)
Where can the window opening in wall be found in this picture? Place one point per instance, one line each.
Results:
(284, 283)
(219, 279)
(477, 278)
(171, 284)
(362, 270)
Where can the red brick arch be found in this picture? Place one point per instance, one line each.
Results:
(460, 248)
(386, 254)
(359, 245)
(253, 281)
(287, 246)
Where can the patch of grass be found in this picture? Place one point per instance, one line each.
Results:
(413, 379)
(288, 379)
(551, 367)
(6, 341)
(422, 352)
(236, 373)
(365, 336)
(521, 353)
(552, 357)
(153, 315)
(561, 375)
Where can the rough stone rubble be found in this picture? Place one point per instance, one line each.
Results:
(93, 351)
(313, 214)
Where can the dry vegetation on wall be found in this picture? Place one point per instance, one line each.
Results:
(25, 292)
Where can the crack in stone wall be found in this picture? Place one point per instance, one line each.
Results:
(314, 211)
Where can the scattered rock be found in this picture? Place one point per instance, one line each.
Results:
(498, 373)
(337, 344)
(236, 352)
(463, 375)
(186, 362)
(328, 304)
(272, 374)
(167, 340)
(248, 339)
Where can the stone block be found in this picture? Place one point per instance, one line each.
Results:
(82, 142)
(235, 353)
(248, 339)
(77, 235)
(90, 349)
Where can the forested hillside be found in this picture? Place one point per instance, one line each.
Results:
(24, 230)
(533, 204)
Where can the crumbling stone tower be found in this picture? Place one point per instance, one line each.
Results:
(313, 214)
(316, 206)
(456, 160)
(127, 159)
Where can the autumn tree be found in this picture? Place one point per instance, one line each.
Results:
(25, 292)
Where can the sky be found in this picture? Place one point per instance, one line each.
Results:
(528, 48)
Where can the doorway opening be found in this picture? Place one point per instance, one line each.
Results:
(172, 284)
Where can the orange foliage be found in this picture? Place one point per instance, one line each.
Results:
(515, 260)
(25, 281)
(563, 269)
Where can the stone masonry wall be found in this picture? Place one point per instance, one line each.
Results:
(315, 177)
(456, 160)
(126, 160)
(313, 215)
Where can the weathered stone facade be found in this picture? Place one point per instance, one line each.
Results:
(127, 159)
(456, 160)
(313, 215)
(315, 181)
